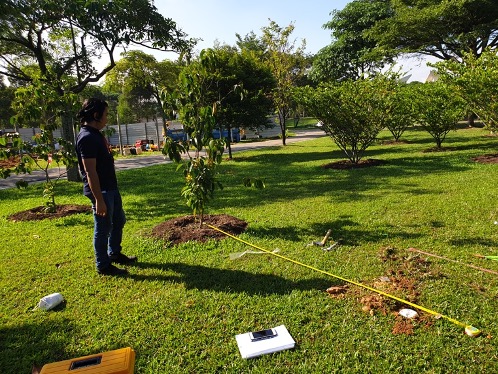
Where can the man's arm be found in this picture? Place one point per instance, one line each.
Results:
(90, 165)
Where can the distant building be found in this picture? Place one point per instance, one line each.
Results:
(405, 78)
(432, 76)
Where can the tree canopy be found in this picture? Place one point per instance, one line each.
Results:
(67, 38)
(474, 81)
(443, 29)
(6, 98)
(352, 52)
(140, 78)
(239, 88)
(438, 109)
(352, 112)
(286, 62)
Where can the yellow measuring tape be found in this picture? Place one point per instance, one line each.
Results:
(469, 330)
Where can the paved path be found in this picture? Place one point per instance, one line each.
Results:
(144, 161)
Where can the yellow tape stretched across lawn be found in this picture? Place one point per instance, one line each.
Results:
(469, 329)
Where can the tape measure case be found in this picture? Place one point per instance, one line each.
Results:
(120, 361)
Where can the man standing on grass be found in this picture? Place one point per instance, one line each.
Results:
(100, 185)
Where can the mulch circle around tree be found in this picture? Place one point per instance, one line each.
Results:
(39, 212)
(183, 229)
(395, 142)
(346, 164)
(487, 159)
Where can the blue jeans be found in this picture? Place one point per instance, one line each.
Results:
(108, 230)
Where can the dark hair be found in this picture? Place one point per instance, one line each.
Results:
(92, 109)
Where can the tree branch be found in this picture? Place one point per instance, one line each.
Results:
(75, 51)
(38, 52)
(92, 79)
(20, 74)
(17, 77)
(148, 46)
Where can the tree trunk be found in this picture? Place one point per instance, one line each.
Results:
(229, 145)
(73, 174)
(471, 119)
(281, 119)
(119, 135)
(157, 132)
(165, 129)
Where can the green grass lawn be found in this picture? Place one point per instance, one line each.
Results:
(182, 306)
(304, 122)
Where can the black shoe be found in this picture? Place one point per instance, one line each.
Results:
(122, 259)
(112, 270)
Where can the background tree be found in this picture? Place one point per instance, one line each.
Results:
(251, 43)
(65, 39)
(475, 81)
(286, 63)
(352, 53)
(239, 88)
(6, 98)
(302, 79)
(141, 78)
(42, 103)
(442, 29)
(192, 101)
(352, 112)
(221, 89)
(401, 109)
(438, 110)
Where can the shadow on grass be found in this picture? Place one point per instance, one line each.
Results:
(289, 173)
(155, 191)
(33, 343)
(485, 242)
(222, 280)
(35, 190)
(344, 230)
(80, 219)
(292, 180)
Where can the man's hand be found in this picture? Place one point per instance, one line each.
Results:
(100, 208)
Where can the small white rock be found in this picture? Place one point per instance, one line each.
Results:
(408, 313)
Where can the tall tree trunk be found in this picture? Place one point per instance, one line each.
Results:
(157, 132)
(165, 129)
(283, 130)
(119, 135)
(471, 119)
(73, 174)
(229, 145)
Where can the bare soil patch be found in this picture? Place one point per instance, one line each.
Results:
(39, 213)
(395, 142)
(9, 163)
(437, 149)
(404, 275)
(183, 229)
(174, 231)
(346, 164)
(487, 159)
